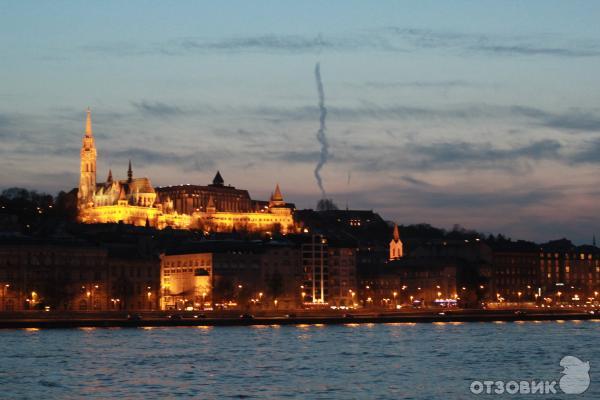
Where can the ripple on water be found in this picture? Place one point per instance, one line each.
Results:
(352, 361)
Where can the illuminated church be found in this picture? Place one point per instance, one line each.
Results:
(215, 207)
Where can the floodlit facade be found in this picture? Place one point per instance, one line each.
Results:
(186, 281)
(396, 246)
(135, 201)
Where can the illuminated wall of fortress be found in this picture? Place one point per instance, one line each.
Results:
(213, 208)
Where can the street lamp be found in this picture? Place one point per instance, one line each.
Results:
(4, 289)
(33, 297)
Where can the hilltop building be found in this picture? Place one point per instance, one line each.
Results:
(135, 201)
(396, 247)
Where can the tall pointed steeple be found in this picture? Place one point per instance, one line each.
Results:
(396, 233)
(88, 123)
(594, 240)
(129, 173)
(87, 171)
(110, 178)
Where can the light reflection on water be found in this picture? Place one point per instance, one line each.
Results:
(394, 360)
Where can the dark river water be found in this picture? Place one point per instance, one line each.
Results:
(366, 361)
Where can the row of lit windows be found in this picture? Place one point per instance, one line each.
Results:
(191, 263)
(581, 256)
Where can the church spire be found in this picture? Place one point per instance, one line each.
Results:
(396, 245)
(218, 180)
(87, 171)
(110, 178)
(277, 195)
(276, 198)
(88, 123)
(129, 173)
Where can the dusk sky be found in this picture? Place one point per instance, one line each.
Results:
(483, 114)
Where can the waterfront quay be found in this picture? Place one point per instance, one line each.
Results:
(43, 320)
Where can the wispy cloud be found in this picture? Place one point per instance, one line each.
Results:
(576, 120)
(461, 155)
(185, 161)
(533, 45)
(266, 43)
(280, 43)
(157, 109)
(414, 181)
(388, 39)
(418, 84)
(588, 153)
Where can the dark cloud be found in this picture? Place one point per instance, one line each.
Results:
(296, 156)
(157, 109)
(269, 43)
(460, 155)
(588, 153)
(187, 161)
(419, 84)
(470, 200)
(533, 45)
(391, 39)
(455, 199)
(414, 181)
(571, 120)
(532, 50)
(463, 152)
(119, 49)
(277, 43)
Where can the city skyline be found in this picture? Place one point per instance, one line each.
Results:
(491, 124)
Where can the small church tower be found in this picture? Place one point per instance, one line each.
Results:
(87, 173)
(396, 247)
(276, 199)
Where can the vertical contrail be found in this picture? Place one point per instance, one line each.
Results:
(321, 133)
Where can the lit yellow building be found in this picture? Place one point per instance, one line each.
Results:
(135, 201)
(186, 281)
(396, 246)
